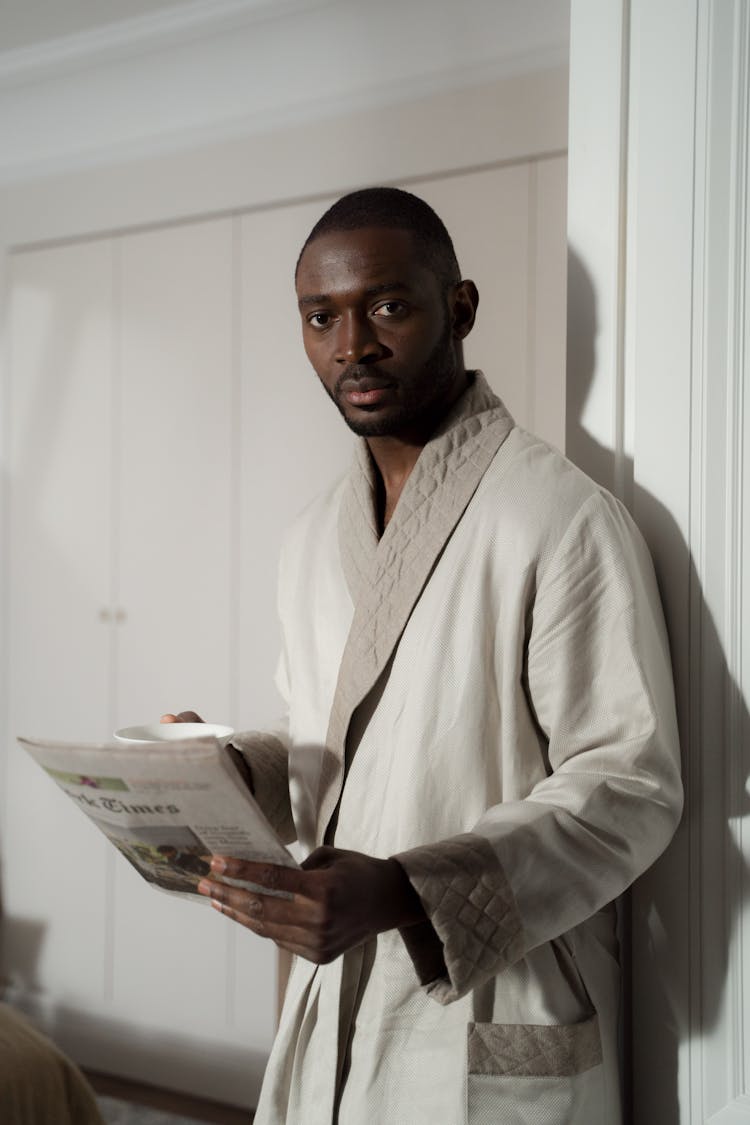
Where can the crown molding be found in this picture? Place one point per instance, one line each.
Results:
(169, 26)
(159, 143)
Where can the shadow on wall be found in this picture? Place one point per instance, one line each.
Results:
(669, 901)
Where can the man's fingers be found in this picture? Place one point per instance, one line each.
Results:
(292, 938)
(182, 717)
(272, 876)
(267, 908)
(292, 924)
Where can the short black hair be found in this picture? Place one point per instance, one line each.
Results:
(395, 209)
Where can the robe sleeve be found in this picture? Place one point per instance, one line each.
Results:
(266, 754)
(267, 757)
(597, 679)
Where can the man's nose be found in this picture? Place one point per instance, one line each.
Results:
(357, 341)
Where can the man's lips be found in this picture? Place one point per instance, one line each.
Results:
(369, 390)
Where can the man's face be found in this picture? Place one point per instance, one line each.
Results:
(378, 330)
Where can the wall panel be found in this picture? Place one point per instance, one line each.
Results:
(59, 480)
(174, 546)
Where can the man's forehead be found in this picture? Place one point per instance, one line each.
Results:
(358, 257)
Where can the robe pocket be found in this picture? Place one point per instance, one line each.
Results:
(529, 1074)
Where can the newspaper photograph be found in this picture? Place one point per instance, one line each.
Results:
(166, 807)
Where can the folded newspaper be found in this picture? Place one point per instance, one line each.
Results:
(166, 806)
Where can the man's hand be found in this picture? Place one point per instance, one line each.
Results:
(339, 899)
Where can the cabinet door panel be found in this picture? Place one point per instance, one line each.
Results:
(59, 565)
(175, 575)
(175, 520)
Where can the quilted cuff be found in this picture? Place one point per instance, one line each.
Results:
(268, 760)
(470, 904)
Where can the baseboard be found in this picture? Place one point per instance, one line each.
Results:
(168, 1101)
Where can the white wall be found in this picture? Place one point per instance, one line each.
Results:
(658, 391)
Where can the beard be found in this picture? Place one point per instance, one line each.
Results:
(424, 396)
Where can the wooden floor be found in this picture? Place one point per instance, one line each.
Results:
(168, 1101)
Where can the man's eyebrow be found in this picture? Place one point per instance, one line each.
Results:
(386, 287)
(314, 299)
(371, 291)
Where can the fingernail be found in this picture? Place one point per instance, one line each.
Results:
(204, 887)
(218, 864)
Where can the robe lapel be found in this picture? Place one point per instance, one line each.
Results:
(387, 576)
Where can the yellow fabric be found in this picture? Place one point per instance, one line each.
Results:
(38, 1084)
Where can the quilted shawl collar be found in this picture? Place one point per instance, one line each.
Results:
(386, 575)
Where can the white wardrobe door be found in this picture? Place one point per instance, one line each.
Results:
(175, 465)
(174, 569)
(54, 887)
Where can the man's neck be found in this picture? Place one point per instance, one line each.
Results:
(395, 458)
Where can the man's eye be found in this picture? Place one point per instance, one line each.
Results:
(319, 319)
(391, 309)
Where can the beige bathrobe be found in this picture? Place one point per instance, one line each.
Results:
(485, 693)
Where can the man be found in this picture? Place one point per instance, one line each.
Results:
(482, 749)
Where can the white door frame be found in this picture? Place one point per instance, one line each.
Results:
(658, 410)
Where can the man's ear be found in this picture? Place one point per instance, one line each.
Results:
(464, 300)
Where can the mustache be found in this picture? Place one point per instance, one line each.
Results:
(356, 372)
